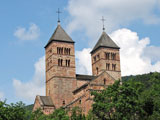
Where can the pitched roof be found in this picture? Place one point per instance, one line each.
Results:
(59, 35)
(86, 84)
(46, 100)
(84, 77)
(74, 101)
(105, 41)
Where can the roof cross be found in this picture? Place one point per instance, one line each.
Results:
(103, 22)
(58, 12)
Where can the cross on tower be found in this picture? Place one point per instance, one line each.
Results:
(58, 12)
(103, 22)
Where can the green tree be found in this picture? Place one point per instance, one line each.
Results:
(117, 102)
(76, 114)
(59, 114)
(12, 111)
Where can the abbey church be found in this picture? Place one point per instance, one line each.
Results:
(65, 88)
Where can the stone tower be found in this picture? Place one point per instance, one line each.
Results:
(60, 67)
(105, 57)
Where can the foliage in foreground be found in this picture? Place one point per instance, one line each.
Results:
(137, 98)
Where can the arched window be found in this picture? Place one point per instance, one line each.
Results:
(61, 62)
(63, 102)
(80, 101)
(104, 81)
(113, 67)
(107, 66)
(65, 51)
(97, 70)
(68, 63)
(107, 56)
(69, 51)
(61, 50)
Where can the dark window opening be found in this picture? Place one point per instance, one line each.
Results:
(50, 51)
(63, 102)
(67, 63)
(94, 58)
(107, 56)
(80, 101)
(97, 70)
(104, 81)
(113, 56)
(114, 67)
(60, 62)
(107, 66)
(69, 51)
(59, 50)
(98, 57)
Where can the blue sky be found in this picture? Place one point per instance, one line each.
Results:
(26, 27)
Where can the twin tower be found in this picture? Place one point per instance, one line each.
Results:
(63, 85)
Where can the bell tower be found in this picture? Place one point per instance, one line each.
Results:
(105, 57)
(60, 67)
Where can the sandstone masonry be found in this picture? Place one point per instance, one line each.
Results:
(65, 88)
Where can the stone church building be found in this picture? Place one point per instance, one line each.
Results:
(65, 88)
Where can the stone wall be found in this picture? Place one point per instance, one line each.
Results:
(101, 62)
(60, 79)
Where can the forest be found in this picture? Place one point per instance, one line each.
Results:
(132, 98)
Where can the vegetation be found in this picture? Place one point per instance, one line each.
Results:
(133, 98)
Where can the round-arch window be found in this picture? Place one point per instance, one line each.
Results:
(104, 81)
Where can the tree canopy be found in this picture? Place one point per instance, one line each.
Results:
(132, 98)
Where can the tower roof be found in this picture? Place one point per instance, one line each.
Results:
(60, 35)
(105, 41)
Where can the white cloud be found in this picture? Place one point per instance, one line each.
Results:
(136, 54)
(86, 14)
(132, 49)
(32, 33)
(36, 86)
(83, 61)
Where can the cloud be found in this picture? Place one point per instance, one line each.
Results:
(137, 56)
(86, 14)
(83, 61)
(36, 86)
(32, 33)
(132, 48)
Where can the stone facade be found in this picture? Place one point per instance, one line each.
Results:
(65, 88)
(60, 79)
(100, 61)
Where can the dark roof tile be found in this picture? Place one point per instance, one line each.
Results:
(105, 41)
(46, 100)
(59, 35)
(84, 77)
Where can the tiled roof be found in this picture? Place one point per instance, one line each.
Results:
(59, 35)
(83, 86)
(46, 100)
(84, 77)
(74, 101)
(105, 41)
